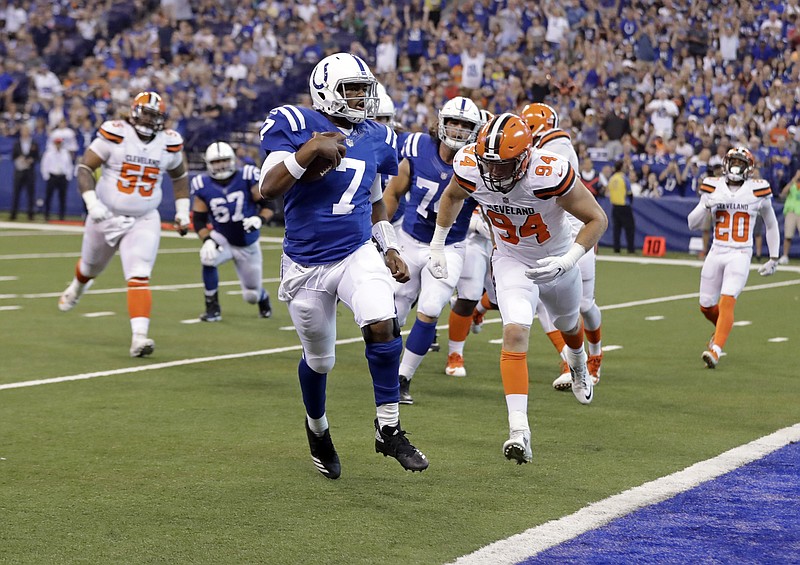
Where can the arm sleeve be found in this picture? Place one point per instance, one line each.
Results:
(771, 227)
(698, 215)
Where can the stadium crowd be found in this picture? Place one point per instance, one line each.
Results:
(668, 87)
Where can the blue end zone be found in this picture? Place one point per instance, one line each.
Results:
(750, 515)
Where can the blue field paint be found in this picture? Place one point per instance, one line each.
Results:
(750, 515)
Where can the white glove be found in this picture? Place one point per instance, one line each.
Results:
(768, 268)
(253, 223)
(97, 211)
(209, 252)
(437, 263)
(550, 268)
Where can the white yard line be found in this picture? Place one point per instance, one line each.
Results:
(538, 539)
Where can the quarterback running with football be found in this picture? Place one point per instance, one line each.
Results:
(122, 206)
(227, 197)
(734, 201)
(328, 254)
(526, 195)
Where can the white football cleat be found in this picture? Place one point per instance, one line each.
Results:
(564, 380)
(70, 297)
(142, 346)
(518, 447)
(582, 385)
(711, 358)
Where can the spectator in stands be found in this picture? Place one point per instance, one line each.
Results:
(25, 155)
(791, 215)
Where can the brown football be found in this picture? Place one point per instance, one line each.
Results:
(317, 169)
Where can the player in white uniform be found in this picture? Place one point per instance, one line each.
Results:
(122, 206)
(526, 194)
(734, 202)
(543, 123)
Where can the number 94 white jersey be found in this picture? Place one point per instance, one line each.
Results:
(527, 222)
(132, 171)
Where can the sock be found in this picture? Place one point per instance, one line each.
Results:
(389, 415)
(514, 372)
(312, 386)
(725, 322)
(140, 299)
(711, 313)
(317, 425)
(459, 330)
(574, 342)
(594, 341)
(80, 277)
(417, 344)
(557, 340)
(383, 360)
(140, 325)
(210, 279)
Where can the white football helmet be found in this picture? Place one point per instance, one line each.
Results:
(464, 110)
(738, 164)
(220, 160)
(386, 109)
(332, 83)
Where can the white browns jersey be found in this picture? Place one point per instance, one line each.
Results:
(559, 142)
(734, 212)
(132, 170)
(527, 223)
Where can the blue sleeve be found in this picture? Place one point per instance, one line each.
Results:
(281, 132)
(387, 158)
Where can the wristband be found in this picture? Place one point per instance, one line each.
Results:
(385, 236)
(293, 166)
(89, 198)
(439, 237)
(182, 206)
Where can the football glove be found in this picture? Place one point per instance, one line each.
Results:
(209, 252)
(97, 211)
(550, 268)
(253, 223)
(768, 268)
(437, 263)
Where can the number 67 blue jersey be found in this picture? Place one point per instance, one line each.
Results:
(328, 219)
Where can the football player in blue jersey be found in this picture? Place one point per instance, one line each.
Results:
(424, 173)
(385, 115)
(326, 162)
(228, 198)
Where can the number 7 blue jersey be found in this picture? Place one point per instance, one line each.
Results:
(328, 219)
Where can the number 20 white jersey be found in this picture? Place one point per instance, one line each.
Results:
(132, 171)
(527, 223)
(735, 212)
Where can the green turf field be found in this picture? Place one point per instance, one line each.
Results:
(202, 456)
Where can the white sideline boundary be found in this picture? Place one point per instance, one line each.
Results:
(535, 540)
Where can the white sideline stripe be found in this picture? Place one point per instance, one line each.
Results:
(5, 279)
(75, 254)
(535, 540)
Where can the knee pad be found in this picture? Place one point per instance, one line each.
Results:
(321, 364)
(369, 336)
(250, 296)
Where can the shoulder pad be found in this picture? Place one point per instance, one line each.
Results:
(113, 131)
(251, 173)
(761, 188)
(552, 135)
(411, 145)
(293, 115)
(465, 168)
(196, 183)
(173, 140)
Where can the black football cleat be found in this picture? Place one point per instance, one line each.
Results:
(323, 454)
(392, 442)
(213, 312)
(264, 308)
